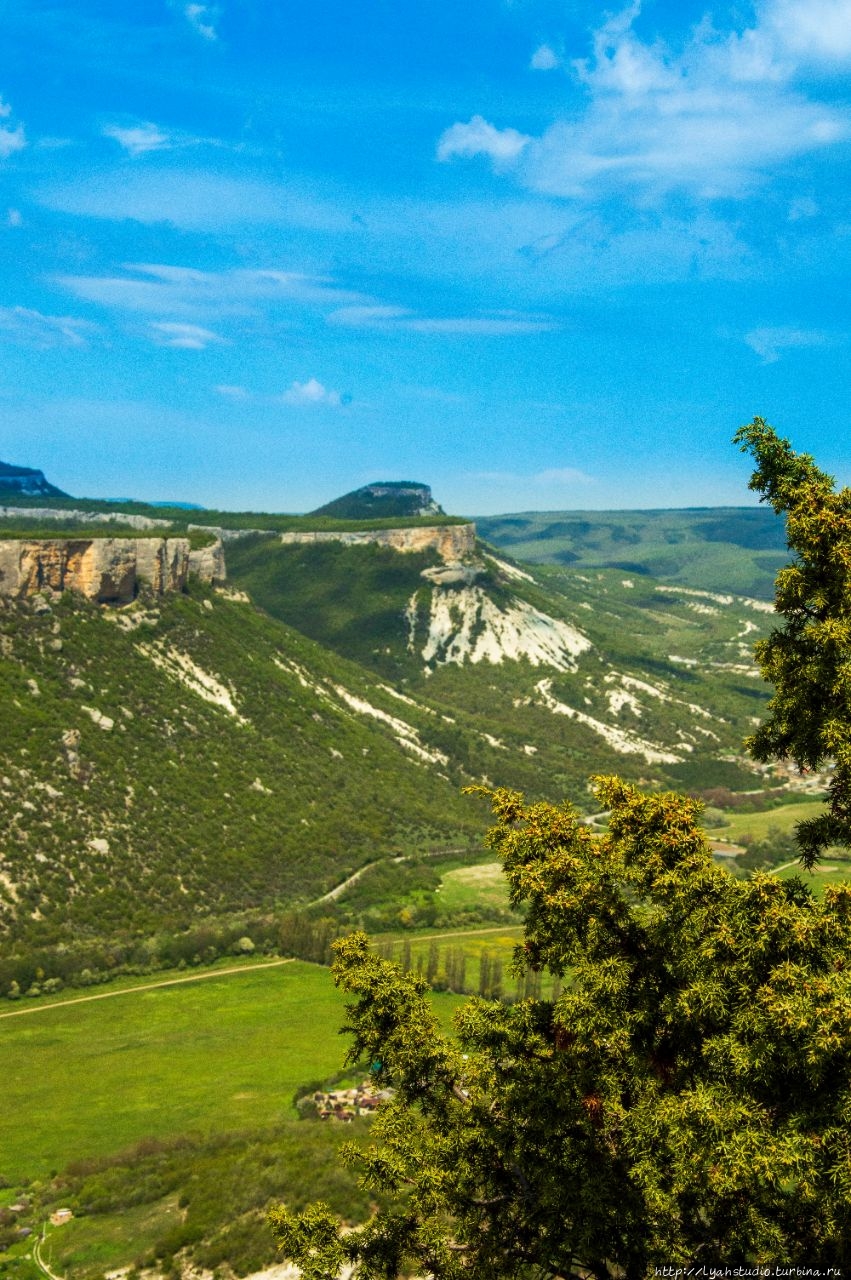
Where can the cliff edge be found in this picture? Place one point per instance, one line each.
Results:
(107, 570)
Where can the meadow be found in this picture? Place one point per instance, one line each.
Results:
(89, 1078)
(756, 826)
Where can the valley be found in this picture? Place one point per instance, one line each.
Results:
(212, 778)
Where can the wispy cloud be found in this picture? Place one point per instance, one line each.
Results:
(231, 391)
(712, 117)
(479, 138)
(189, 337)
(11, 139)
(138, 139)
(770, 344)
(550, 478)
(387, 319)
(33, 329)
(202, 18)
(312, 393)
(186, 292)
(811, 29)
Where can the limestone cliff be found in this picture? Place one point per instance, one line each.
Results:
(108, 570)
(452, 542)
(70, 515)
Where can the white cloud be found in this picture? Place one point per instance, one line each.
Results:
(189, 337)
(231, 392)
(810, 29)
(311, 392)
(186, 292)
(714, 117)
(32, 328)
(804, 207)
(478, 137)
(561, 476)
(769, 344)
(202, 18)
(550, 478)
(14, 218)
(400, 318)
(544, 59)
(138, 139)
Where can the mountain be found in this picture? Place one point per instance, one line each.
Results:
(383, 498)
(26, 482)
(210, 750)
(714, 548)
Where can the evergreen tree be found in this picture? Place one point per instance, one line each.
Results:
(809, 660)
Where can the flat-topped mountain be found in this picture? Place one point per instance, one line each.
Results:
(383, 499)
(27, 481)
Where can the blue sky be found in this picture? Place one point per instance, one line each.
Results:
(536, 254)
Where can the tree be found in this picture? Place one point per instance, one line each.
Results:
(683, 1100)
(809, 660)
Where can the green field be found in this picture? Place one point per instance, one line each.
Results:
(91, 1078)
(756, 826)
(478, 886)
(818, 879)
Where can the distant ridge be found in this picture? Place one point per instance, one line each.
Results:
(27, 482)
(381, 499)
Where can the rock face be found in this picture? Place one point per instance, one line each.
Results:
(86, 517)
(452, 542)
(26, 480)
(108, 570)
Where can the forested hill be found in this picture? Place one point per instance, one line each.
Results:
(714, 548)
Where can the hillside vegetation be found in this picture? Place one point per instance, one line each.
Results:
(736, 549)
(207, 754)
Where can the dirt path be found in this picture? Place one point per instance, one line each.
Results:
(456, 933)
(147, 986)
(43, 1267)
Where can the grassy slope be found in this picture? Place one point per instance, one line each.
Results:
(201, 811)
(353, 600)
(207, 811)
(735, 549)
(86, 1080)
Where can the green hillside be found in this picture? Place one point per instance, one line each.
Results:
(192, 755)
(662, 687)
(735, 549)
(250, 748)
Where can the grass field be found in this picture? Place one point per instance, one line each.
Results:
(758, 825)
(820, 877)
(91, 1078)
(479, 886)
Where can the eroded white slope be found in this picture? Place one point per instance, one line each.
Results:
(623, 740)
(179, 666)
(467, 626)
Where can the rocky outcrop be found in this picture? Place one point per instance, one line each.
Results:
(452, 542)
(208, 563)
(109, 570)
(86, 517)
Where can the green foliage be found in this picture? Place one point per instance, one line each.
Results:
(717, 548)
(809, 660)
(683, 1100)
